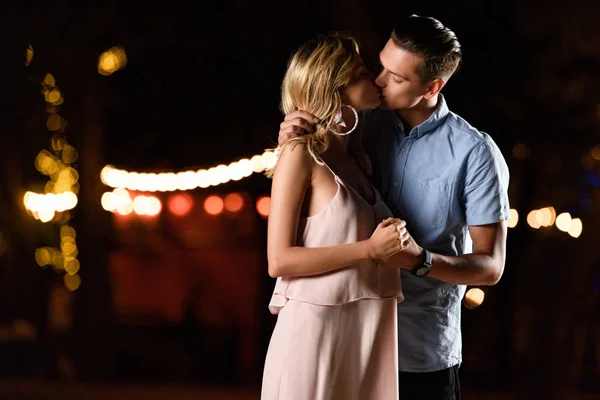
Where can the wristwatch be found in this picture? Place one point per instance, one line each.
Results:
(423, 269)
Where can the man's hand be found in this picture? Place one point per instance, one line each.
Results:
(295, 124)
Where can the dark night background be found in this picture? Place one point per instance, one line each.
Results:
(201, 88)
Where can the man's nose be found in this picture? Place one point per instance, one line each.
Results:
(380, 80)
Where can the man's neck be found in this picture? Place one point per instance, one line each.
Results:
(420, 113)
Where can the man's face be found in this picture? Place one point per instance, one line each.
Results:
(401, 87)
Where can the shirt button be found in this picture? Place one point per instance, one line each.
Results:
(403, 150)
(396, 184)
(502, 218)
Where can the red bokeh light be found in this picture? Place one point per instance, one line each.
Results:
(181, 204)
(263, 204)
(234, 202)
(213, 205)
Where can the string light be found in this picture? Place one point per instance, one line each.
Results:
(187, 180)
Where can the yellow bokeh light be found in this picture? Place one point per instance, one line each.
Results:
(53, 96)
(576, 228)
(473, 298)
(49, 80)
(67, 231)
(534, 219)
(69, 154)
(514, 218)
(112, 60)
(53, 123)
(68, 248)
(72, 282)
(28, 55)
(42, 257)
(596, 153)
(71, 265)
(563, 222)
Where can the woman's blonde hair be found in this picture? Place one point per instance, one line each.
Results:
(316, 75)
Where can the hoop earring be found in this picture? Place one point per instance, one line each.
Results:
(340, 121)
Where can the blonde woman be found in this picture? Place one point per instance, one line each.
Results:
(335, 336)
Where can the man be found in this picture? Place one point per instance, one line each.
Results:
(449, 182)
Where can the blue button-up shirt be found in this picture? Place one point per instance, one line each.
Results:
(441, 177)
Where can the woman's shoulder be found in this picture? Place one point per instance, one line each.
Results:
(295, 156)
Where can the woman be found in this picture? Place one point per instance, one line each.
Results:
(335, 336)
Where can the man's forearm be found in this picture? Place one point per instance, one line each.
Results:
(468, 269)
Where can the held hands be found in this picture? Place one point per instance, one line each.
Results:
(296, 124)
(388, 239)
(410, 255)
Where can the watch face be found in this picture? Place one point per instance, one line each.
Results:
(422, 271)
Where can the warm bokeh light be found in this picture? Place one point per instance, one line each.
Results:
(576, 228)
(548, 215)
(69, 154)
(563, 222)
(68, 247)
(155, 206)
(71, 265)
(141, 205)
(263, 205)
(534, 219)
(596, 153)
(213, 205)
(43, 256)
(268, 159)
(53, 96)
(67, 231)
(112, 60)
(180, 204)
(514, 218)
(28, 55)
(49, 80)
(186, 180)
(72, 282)
(473, 298)
(520, 151)
(46, 205)
(234, 202)
(54, 122)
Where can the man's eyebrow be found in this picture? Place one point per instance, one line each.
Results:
(392, 72)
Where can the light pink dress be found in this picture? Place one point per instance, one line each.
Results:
(336, 333)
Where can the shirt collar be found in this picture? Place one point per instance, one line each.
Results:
(431, 123)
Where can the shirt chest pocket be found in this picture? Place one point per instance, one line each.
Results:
(433, 202)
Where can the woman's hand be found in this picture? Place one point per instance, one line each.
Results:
(387, 239)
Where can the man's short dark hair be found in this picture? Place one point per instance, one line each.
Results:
(430, 39)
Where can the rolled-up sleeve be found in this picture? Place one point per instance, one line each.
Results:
(486, 186)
